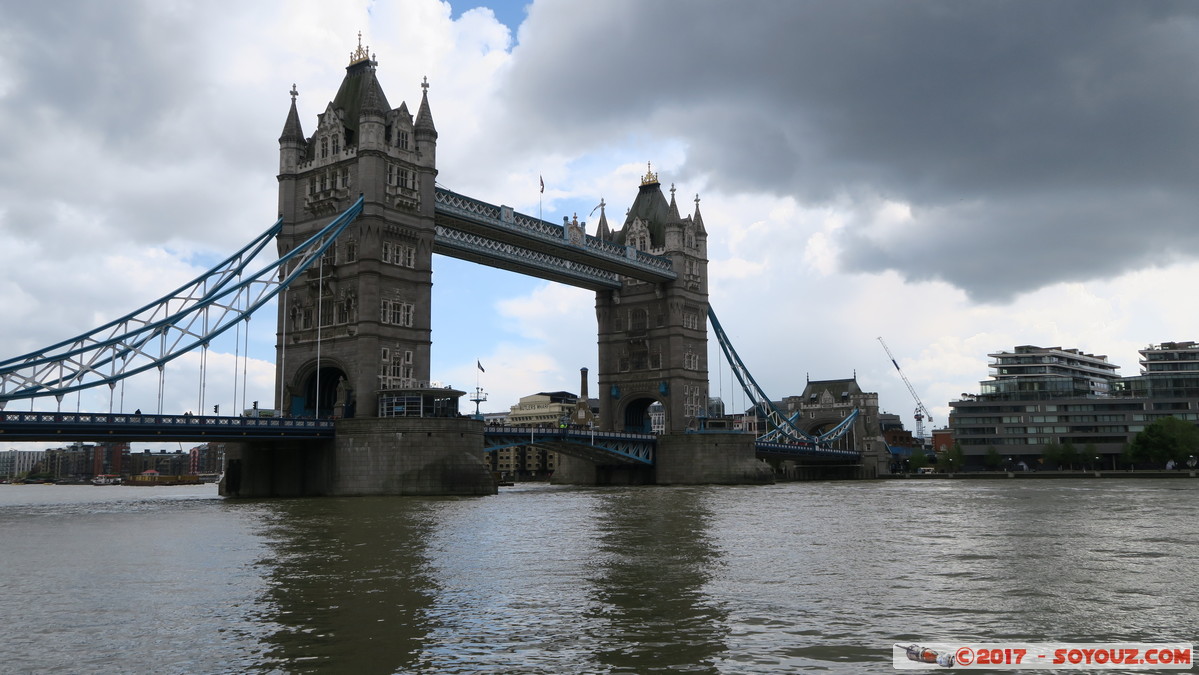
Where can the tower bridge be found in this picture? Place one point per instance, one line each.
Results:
(353, 325)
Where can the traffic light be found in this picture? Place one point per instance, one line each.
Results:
(216, 409)
(256, 405)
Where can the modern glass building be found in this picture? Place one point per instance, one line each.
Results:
(1042, 395)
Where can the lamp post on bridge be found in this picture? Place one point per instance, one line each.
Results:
(479, 397)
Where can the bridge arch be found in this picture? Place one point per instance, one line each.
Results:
(335, 395)
(821, 424)
(635, 415)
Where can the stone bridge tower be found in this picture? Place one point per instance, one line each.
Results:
(358, 322)
(653, 338)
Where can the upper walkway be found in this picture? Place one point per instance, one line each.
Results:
(500, 237)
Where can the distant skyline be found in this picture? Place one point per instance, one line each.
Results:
(958, 178)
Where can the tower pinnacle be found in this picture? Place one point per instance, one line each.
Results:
(359, 55)
(650, 178)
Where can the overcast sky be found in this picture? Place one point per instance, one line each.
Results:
(956, 177)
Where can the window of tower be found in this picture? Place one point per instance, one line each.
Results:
(396, 313)
(402, 140)
(324, 148)
(327, 309)
(398, 254)
(336, 145)
(638, 320)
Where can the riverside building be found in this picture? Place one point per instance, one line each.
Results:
(1042, 395)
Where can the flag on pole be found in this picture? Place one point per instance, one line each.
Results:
(542, 184)
(480, 365)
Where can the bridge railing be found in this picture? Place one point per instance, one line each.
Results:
(805, 449)
(117, 419)
(567, 431)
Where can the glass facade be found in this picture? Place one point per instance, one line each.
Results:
(1039, 396)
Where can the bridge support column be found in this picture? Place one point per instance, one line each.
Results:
(411, 456)
(374, 456)
(577, 471)
(710, 458)
(277, 469)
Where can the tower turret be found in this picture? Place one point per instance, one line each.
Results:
(673, 225)
(426, 132)
(291, 141)
(292, 149)
(602, 231)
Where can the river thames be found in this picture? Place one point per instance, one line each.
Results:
(795, 577)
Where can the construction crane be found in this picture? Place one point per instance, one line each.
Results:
(921, 412)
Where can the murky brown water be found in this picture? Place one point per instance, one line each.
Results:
(808, 577)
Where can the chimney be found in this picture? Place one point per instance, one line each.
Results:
(583, 385)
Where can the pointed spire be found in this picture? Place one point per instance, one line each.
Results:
(374, 101)
(424, 118)
(292, 130)
(698, 219)
(602, 231)
(672, 215)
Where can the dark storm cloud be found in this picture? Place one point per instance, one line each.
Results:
(1051, 140)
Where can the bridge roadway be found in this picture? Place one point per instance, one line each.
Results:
(608, 448)
(103, 427)
(603, 448)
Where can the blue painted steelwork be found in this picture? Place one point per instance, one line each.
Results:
(600, 447)
(501, 237)
(783, 428)
(169, 327)
(44, 426)
(474, 246)
(805, 450)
